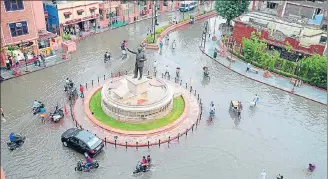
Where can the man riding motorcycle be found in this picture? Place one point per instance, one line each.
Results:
(311, 167)
(15, 138)
(36, 104)
(89, 161)
(145, 163)
(123, 48)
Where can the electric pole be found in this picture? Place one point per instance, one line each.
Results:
(155, 21)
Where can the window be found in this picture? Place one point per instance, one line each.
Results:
(79, 13)
(124, 2)
(271, 5)
(92, 12)
(43, 44)
(323, 39)
(66, 16)
(18, 28)
(14, 5)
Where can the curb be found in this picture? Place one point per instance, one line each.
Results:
(133, 133)
(173, 27)
(258, 80)
(5, 79)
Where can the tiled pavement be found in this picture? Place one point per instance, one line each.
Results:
(277, 81)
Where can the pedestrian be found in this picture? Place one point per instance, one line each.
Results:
(42, 114)
(2, 114)
(191, 84)
(262, 175)
(155, 67)
(82, 91)
(106, 57)
(248, 67)
(167, 71)
(43, 60)
(256, 100)
(8, 63)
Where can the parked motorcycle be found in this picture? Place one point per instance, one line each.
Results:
(57, 115)
(81, 166)
(15, 145)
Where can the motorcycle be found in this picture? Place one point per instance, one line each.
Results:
(140, 168)
(57, 115)
(81, 166)
(15, 145)
(37, 109)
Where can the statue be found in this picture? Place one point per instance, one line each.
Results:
(140, 59)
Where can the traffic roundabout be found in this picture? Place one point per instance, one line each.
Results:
(129, 112)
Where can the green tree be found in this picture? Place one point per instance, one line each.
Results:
(231, 9)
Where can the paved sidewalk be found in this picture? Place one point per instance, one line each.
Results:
(49, 61)
(283, 83)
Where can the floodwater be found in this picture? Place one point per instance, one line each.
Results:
(282, 134)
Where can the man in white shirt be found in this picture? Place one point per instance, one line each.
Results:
(248, 67)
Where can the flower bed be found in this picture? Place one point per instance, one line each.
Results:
(312, 69)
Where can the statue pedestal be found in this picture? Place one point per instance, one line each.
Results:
(136, 86)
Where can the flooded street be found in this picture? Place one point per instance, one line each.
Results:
(282, 134)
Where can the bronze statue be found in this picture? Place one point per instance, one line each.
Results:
(140, 59)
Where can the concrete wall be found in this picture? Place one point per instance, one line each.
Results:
(15, 16)
(73, 6)
(40, 21)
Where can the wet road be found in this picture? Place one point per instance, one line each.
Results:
(282, 134)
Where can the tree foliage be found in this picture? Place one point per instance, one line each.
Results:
(313, 70)
(231, 9)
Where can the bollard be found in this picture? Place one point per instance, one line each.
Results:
(126, 72)
(111, 75)
(86, 85)
(190, 88)
(88, 130)
(192, 128)
(148, 72)
(148, 144)
(159, 142)
(186, 85)
(98, 79)
(92, 82)
(95, 134)
(76, 124)
(115, 143)
(186, 132)
(104, 77)
(169, 76)
(136, 145)
(105, 141)
(198, 97)
(126, 144)
(195, 93)
(180, 82)
(178, 136)
(155, 73)
(169, 140)
(162, 75)
(200, 101)
(119, 74)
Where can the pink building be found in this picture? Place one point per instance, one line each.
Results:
(23, 25)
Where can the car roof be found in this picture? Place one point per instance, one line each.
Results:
(84, 135)
(70, 132)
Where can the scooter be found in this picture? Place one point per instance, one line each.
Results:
(14, 145)
(81, 166)
(57, 115)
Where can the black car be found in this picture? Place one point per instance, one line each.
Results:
(82, 141)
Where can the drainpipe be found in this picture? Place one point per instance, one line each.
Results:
(283, 9)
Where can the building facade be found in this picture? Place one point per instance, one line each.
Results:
(306, 40)
(307, 12)
(72, 17)
(22, 25)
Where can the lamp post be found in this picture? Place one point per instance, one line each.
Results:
(110, 13)
(155, 20)
(184, 3)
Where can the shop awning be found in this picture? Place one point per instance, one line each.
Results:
(92, 8)
(67, 13)
(80, 10)
(46, 35)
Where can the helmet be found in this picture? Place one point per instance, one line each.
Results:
(143, 157)
(12, 133)
(148, 156)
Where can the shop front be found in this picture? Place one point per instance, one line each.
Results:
(77, 26)
(19, 53)
(47, 43)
